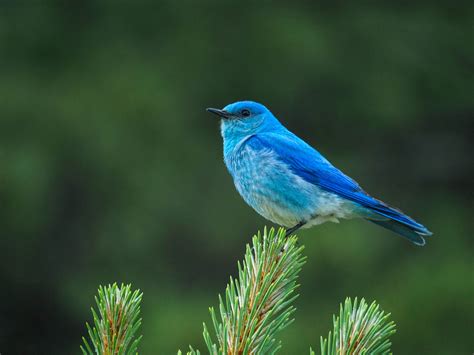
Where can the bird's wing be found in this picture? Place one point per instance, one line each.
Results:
(306, 162)
(310, 165)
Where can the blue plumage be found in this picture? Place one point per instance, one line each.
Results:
(292, 184)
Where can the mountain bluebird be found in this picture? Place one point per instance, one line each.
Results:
(290, 183)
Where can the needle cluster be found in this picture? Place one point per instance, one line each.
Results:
(259, 303)
(116, 323)
(359, 329)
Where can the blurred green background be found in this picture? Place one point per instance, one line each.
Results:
(111, 170)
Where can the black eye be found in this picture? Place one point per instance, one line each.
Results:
(245, 113)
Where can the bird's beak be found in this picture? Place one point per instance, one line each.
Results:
(220, 113)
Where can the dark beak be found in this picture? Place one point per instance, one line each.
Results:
(220, 113)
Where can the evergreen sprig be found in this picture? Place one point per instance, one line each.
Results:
(116, 324)
(359, 329)
(259, 303)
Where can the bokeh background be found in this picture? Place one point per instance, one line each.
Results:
(111, 170)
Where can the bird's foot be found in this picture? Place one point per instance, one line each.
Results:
(291, 230)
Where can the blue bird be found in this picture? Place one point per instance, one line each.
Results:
(290, 183)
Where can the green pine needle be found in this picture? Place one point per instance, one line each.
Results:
(116, 324)
(359, 329)
(191, 351)
(259, 303)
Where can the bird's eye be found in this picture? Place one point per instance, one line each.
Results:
(245, 113)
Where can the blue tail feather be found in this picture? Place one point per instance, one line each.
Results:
(402, 229)
(401, 224)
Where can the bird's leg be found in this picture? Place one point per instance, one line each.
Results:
(289, 231)
(294, 229)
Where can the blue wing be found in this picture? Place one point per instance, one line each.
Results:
(310, 165)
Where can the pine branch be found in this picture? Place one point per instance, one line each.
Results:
(258, 304)
(256, 307)
(117, 322)
(359, 329)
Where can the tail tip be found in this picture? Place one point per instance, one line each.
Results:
(420, 241)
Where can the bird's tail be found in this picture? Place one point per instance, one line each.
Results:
(394, 220)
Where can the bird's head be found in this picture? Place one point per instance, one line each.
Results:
(244, 118)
